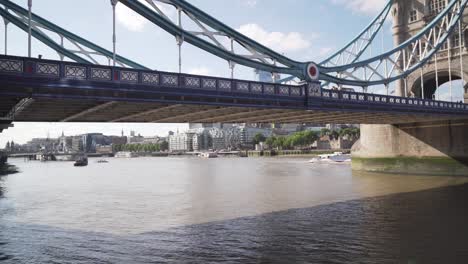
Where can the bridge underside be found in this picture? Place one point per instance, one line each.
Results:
(35, 90)
(83, 110)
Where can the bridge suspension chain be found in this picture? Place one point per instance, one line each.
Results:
(356, 48)
(345, 67)
(211, 35)
(82, 50)
(402, 60)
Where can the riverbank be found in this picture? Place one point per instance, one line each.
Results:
(293, 153)
(435, 166)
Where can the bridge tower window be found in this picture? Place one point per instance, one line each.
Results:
(413, 16)
(436, 6)
(456, 40)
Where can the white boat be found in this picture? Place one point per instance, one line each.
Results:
(208, 155)
(125, 154)
(336, 157)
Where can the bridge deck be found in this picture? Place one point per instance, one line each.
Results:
(55, 91)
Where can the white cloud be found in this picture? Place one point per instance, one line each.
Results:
(130, 19)
(278, 41)
(201, 71)
(325, 51)
(133, 21)
(250, 3)
(368, 7)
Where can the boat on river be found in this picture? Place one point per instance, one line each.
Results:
(3, 158)
(81, 162)
(337, 157)
(208, 155)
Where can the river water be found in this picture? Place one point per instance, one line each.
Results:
(229, 210)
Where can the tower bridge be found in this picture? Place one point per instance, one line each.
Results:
(429, 50)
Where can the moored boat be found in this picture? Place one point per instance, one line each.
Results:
(337, 157)
(208, 155)
(3, 158)
(81, 162)
(125, 154)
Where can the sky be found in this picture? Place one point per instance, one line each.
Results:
(304, 30)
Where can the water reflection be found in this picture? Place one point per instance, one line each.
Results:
(418, 227)
(230, 211)
(3, 171)
(6, 169)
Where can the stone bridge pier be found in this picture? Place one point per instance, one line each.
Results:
(439, 148)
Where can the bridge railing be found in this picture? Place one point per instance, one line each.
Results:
(31, 67)
(70, 71)
(392, 101)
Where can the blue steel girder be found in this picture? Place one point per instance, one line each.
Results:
(18, 16)
(401, 61)
(382, 69)
(353, 51)
(261, 57)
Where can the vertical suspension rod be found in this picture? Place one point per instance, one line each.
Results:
(29, 27)
(422, 72)
(114, 35)
(403, 69)
(450, 67)
(6, 34)
(231, 64)
(180, 39)
(385, 66)
(460, 35)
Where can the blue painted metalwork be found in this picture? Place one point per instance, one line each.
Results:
(450, 15)
(293, 67)
(58, 79)
(373, 28)
(62, 32)
(341, 74)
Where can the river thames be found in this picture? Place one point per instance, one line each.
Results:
(229, 210)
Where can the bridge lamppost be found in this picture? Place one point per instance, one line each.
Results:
(29, 27)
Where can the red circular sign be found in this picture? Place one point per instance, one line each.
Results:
(313, 71)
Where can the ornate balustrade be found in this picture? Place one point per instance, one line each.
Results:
(69, 71)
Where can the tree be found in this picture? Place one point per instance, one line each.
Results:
(334, 135)
(258, 138)
(117, 147)
(271, 141)
(310, 137)
(164, 146)
(280, 143)
(350, 133)
(325, 132)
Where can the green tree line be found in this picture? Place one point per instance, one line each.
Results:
(304, 139)
(163, 146)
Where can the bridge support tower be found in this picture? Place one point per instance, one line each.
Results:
(439, 148)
